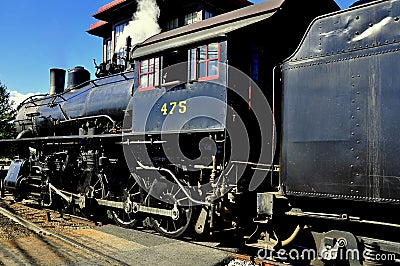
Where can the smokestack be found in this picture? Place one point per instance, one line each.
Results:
(57, 80)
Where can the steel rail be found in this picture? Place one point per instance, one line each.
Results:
(45, 232)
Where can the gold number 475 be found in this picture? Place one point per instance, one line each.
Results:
(169, 108)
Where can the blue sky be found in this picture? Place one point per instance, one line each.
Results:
(44, 34)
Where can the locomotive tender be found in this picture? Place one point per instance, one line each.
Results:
(184, 136)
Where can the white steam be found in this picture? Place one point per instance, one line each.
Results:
(143, 24)
(17, 97)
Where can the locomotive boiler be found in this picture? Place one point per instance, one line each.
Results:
(84, 101)
(284, 133)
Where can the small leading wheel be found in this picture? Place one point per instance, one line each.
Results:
(131, 192)
(173, 199)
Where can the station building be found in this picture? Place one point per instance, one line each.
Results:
(114, 17)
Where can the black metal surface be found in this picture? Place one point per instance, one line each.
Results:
(340, 125)
(77, 76)
(57, 80)
(148, 117)
(106, 96)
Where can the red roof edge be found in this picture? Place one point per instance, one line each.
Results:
(108, 6)
(96, 25)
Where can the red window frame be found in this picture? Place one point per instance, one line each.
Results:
(195, 63)
(153, 70)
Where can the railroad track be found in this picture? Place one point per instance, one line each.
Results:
(50, 224)
(45, 227)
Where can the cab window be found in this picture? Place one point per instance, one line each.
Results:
(149, 73)
(204, 62)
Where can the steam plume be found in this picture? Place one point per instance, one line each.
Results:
(143, 24)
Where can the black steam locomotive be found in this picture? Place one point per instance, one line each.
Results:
(276, 121)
